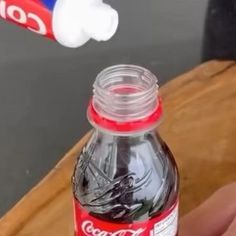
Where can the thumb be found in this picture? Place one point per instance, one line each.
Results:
(208, 219)
(231, 231)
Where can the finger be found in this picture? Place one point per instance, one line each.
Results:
(231, 231)
(212, 217)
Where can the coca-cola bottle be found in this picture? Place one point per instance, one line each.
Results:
(126, 180)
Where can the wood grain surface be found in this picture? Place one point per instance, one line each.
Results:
(199, 126)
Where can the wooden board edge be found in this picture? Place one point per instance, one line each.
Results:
(200, 73)
(55, 182)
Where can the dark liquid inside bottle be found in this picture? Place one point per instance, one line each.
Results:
(125, 179)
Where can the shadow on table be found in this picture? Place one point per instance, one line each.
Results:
(220, 31)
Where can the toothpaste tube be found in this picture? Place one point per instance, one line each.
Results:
(70, 22)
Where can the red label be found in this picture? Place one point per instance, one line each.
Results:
(30, 14)
(165, 224)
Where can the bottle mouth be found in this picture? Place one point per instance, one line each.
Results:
(124, 95)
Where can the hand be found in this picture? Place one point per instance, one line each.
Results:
(215, 217)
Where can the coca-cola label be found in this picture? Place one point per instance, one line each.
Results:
(89, 229)
(30, 14)
(165, 224)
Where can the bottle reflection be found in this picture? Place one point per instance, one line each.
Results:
(220, 30)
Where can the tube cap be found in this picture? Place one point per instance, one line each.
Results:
(77, 21)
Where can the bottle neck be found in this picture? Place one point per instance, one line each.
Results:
(125, 100)
(138, 134)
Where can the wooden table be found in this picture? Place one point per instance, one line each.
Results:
(199, 126)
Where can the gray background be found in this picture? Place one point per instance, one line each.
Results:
(45, 88)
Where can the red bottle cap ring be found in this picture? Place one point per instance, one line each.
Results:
(129, 126)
